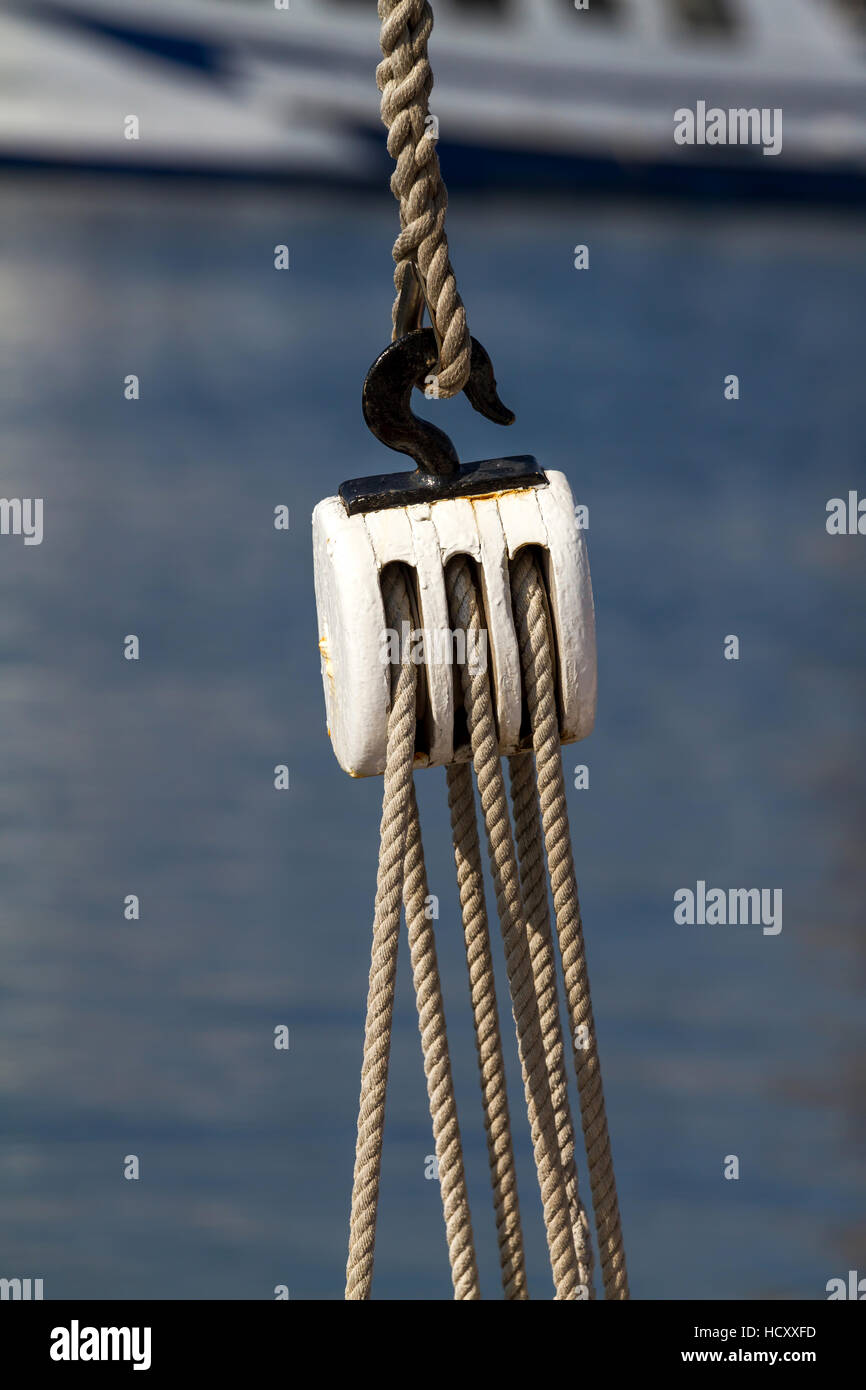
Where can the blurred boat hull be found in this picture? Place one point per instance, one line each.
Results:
(230, 90)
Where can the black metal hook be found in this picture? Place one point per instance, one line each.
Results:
(387, 398)
(387, 404)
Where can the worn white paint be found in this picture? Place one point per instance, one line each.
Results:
(349, 553)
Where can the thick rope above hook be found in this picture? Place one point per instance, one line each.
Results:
(405, 80)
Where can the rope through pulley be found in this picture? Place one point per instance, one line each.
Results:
(541, 827)
(489, 552)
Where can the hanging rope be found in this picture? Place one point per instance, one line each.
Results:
(424, 278)
(383, 965)
(541, 825)
(437, 1066)
(524, 798)
(530, 613)
(488, 1042)
(405, 80)
(402, 872)
(465, 613)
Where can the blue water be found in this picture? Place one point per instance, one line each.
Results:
(156, 778)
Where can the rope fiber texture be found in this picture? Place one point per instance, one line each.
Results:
(529, 602)
(488, 1040)
(402, 873)
(541, 829)
(466, 612)
(437, 1065)
(405, 79)
(530, 854)
(383, 965)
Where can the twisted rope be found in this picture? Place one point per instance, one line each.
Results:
(402, 873)
(488, 1041)
(437, 1065)
(530, 612)
(533, 882)
(522, 903)
(465, 612)
(405, 80)
(383, 966)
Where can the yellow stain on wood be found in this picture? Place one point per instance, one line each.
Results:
(508, 492)
(329, 669)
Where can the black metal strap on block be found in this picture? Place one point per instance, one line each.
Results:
(403, 366)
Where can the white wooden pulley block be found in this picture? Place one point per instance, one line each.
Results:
(351, 551)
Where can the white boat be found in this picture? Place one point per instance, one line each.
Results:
(532, 92)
